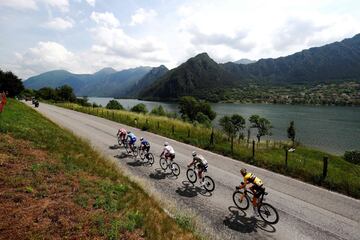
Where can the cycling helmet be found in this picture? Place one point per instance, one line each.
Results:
(141, 138)
(166, 143)
(243, 171)
(193, 153)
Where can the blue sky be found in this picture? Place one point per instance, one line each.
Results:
(84, 36)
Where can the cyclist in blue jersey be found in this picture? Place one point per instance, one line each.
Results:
(131, 139)
(144, 145)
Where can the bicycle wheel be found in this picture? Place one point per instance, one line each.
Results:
(150, 158)
(191, 175)
(163, 163)
(127, 148)
(135, 151)
(209, 184)
(268, 213)
(119, 141)
(142, 154)
(241, 200)
(175, 169)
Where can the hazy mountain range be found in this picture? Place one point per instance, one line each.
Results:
(335, 62)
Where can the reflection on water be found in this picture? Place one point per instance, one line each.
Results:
(330, 128)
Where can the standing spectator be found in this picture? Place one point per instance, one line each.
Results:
(2, 101)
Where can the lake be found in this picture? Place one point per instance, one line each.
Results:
(333, 129)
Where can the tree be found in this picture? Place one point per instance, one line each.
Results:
(65, 93)
(187, 106)
(10, 83)
(291, 132)
(203, 119)
(139, 108)
(190, 107)
(159, 110)
(232, 126)
(262, 125)
(113, 104)
(46, 93)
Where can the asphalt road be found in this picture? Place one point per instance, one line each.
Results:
(306, 211)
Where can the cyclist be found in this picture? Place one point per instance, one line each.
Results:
(201, 165)
(131, 139)
(169, 152)
(122, 134)
(144, 145)
(257, 186)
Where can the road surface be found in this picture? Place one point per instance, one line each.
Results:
(306, 211)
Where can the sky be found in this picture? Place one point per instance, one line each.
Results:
(84, 36)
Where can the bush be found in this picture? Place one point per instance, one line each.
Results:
(139, 108)
(158, 111)
(352, 157)
(113, 104)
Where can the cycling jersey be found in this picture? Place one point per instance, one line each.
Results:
(201, 160)
(145, 143)
(251, 178)
(132, 138)
(122, 131)
(169, 149)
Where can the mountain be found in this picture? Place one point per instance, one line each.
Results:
(200, 75)
(191, 77)
(116, 84)
(244, 61)
(147, 80)
(105, 83)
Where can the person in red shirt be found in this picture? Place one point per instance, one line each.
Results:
(3, 101)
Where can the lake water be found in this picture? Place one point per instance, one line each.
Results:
(330, 128)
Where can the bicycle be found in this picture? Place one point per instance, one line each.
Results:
(146, 155)
(267, 212)
(192, 174)
(167, 163)
(131, 149)
(121, 140)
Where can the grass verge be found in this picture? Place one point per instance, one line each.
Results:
(305, 163)
(54, 185)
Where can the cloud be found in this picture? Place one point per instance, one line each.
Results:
(236, 41)
(141, 15)
(296, 31)
(45, 56)
(19, 4)
(91, 2)
(62, 5)
(106, 19)
(59, 24)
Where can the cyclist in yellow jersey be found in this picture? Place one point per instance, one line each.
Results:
(257, 185)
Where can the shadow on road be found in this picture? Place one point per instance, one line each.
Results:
(190, 190)
(116, 146)
(136, 163)
(122, 155)
(239, 221)
(159, 174)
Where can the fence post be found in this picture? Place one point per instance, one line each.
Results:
(113, 115)
(188, 135)
(253, 148)
(325, 167)
(158, 125)
(173, 129)
(286, 157)
(212, 137)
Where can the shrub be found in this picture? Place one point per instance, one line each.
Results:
(113, 104)
(158, 111)
(139, 108)
(352, 157)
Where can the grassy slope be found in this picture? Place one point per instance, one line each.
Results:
(305, 163)
(54, 184)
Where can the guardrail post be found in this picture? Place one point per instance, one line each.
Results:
(325, 166)
(253, 148)
(212, 137)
